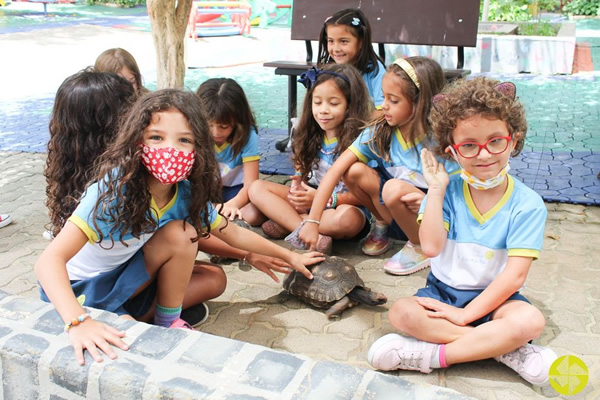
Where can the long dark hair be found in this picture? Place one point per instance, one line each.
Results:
(225, 103)
(431, 80)
(308, 138)
(357, 23)
(84, 121)
(113, 60)
(125, 199)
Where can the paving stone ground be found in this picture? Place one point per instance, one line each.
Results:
(562, 283)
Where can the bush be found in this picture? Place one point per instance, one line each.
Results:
(582, 7)
(121, 3)
(541, 28)
(518, 10)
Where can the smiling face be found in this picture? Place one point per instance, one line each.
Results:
(342, 45)
(169, 129)
(397, 108)
(329, 107)
(480, 129)
(220, 132)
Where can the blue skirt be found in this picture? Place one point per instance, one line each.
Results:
(229, 192)
(112, 291)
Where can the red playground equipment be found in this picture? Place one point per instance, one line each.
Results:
(219, 18)
(46, 2)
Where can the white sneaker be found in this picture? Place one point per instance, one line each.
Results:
(408, 260)
(47, 235)
(394, 351)
(531, 362)
(5, 219)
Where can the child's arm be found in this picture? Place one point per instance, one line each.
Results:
(232, 208)
(266, 264)
(432, 233)
(51, 272)
(309, 233)
(505, 285)
(247, 240)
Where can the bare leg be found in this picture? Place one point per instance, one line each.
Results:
(363, 182)
(344, 222)
(252, 215)
(271, 199)
(392, 192)
(208, 282)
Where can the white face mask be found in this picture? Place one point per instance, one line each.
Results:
(481, 184)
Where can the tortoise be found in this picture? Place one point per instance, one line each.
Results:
(335, 286)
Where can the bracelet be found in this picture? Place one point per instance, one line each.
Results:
(76, 321)
(334, 202)
(297, 173)
(313, 221)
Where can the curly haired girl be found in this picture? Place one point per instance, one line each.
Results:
(130, 245)
(334, 109)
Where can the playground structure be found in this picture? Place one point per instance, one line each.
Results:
(266, 12)
(219, 18)
(45, 3)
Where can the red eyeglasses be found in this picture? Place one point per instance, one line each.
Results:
(495, 145)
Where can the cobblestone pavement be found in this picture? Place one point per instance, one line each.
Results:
(563, 283)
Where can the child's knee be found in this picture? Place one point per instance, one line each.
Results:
(257, 188)
(402, 315)
(393, 190)
(179, 233)
(354, 173)
(351, 220)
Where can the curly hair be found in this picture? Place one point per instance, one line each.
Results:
(225, 103)
(431, 80)
(126, 197)
(358, 25)
(308, 138)
(479, 96)
(114, 60)
(84, 121)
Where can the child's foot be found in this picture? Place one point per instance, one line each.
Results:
(179, 323)
(408, 260)
(531, 362)
(5, 219)
(195, 315)
(394, 351)
(273, 230)
(378, 241)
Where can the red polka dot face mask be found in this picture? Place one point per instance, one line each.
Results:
(167, 164)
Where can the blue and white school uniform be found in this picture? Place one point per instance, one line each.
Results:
(105, 275)
(232, 168)
(373, 81)
(478, 246)
(326, 160)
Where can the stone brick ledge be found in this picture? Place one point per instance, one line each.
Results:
(36, 361)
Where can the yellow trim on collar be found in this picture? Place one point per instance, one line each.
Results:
(524, 253)
(160, 212)
(482, 219)
(329, 141)
(219, 149)
(85, 228)
(405, 145)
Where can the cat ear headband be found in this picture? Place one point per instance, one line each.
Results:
(309, 78)
(507, 89)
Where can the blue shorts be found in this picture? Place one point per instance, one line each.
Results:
(229, 192)
(112, 290)
(438, 290)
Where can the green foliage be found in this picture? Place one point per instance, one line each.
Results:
(541, 28)
(582, 7)
(120, 3)
(518, 10)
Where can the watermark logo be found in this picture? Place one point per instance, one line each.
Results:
(568, 375)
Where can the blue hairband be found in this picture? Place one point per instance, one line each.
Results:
(309, 78)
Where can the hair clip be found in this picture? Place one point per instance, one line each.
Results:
(355, 21)
(436, 101)
(508, 89)
(309, 77)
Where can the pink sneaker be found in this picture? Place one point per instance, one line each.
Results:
(531, 362)
(394, 351)
(179, 323)
(408, 260)
(378, 241)
(5, 219)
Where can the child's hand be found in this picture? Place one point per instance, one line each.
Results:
(413, 201)
(437, 309)
(296, 182)
(309, 235)
(230, 212)
(300, 261)
(93, 335)
(434, 173)
(268, 264)
(301, 199)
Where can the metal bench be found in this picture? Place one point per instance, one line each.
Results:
(419, 22)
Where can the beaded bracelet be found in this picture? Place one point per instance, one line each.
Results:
(76, 321)
(334, 202)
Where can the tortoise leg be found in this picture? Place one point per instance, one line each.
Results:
(336, 309)
(364, 296)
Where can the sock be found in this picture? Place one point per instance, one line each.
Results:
(438, 359)
(164, 316)
(381, 227)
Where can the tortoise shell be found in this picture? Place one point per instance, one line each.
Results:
(333, 279)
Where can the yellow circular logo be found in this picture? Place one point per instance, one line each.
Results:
(568, 375)
(489, 255)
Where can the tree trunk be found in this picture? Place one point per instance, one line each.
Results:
(168, 19)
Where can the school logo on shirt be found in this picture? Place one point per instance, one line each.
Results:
(568, 375)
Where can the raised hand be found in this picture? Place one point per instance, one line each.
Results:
(434, 172)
